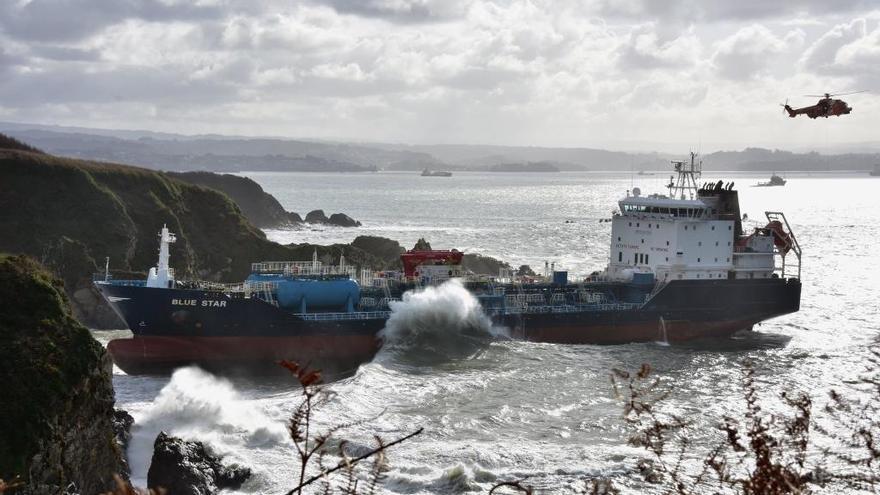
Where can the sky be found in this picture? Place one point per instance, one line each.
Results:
(627, 74)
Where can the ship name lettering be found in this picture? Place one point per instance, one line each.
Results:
(213, 304)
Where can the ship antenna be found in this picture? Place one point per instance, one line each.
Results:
(688, 174)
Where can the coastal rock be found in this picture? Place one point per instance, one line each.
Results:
(189, 468)
(343, 220)
(525, 271)
(89, 307)
(485, 265)
(422, 245)
(56, 412)
(386, 249)
(316, 216)
(122, 423)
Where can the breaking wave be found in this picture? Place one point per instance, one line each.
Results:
(436, 324)
(197, 405)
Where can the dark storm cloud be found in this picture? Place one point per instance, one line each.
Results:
(688, 11)
(406, 11)
(70, 20)
(7, 61)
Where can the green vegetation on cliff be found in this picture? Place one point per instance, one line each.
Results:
(57, 399)
(260, 207)
(11, 143)
(116, 210)
(71, 214)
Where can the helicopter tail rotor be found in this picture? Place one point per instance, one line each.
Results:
(787, 109)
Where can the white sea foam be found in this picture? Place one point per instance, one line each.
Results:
(200, 406)
(439, 322)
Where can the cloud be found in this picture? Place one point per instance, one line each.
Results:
(859, 59)
(643, 49)
(820, 56)
(752, 51)
(697, 11)
(68, 20)
(520, 71)
(65, 53)
(400, 10)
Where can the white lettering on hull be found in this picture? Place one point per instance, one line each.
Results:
(207, 303)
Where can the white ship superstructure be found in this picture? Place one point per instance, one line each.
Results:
(694, 233)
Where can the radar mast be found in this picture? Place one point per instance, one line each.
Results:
(686, 182)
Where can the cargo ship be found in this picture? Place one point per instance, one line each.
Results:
(681, 266)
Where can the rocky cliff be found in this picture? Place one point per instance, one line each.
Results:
(71, 214)
(260, 207)
(56, 412)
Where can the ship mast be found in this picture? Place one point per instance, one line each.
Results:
(686, 182)
(162, 275)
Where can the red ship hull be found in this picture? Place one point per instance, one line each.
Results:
(231, 355)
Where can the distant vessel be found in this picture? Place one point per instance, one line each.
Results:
(435, 173)
(875, 172)
(775, 180)
(680, 266)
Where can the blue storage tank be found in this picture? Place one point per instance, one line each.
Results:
(328, 294)
(560, 278)
(643, 278)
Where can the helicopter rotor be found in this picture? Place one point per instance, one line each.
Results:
(829, 95)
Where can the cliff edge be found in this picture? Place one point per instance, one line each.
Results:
(56, 413)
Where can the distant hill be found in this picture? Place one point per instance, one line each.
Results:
(760, 159)
(233, 154)
(524, 167)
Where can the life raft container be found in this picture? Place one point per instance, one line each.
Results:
(782, 239)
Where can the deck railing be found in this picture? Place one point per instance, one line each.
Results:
(359, 315)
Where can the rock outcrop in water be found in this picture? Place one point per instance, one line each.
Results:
(56, 411)
(189, 468)
(337, 219)
(316, 216)
(342, 220)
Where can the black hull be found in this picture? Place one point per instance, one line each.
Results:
(174, 327)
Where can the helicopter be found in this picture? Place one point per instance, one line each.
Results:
(826, 107)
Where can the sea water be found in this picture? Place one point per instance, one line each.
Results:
(493, 409)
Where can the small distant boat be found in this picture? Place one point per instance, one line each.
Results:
(875, 172)
(435, 173)
(775, 180)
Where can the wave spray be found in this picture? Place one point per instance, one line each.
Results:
(437, 323)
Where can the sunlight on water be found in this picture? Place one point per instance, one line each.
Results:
(518, 409)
